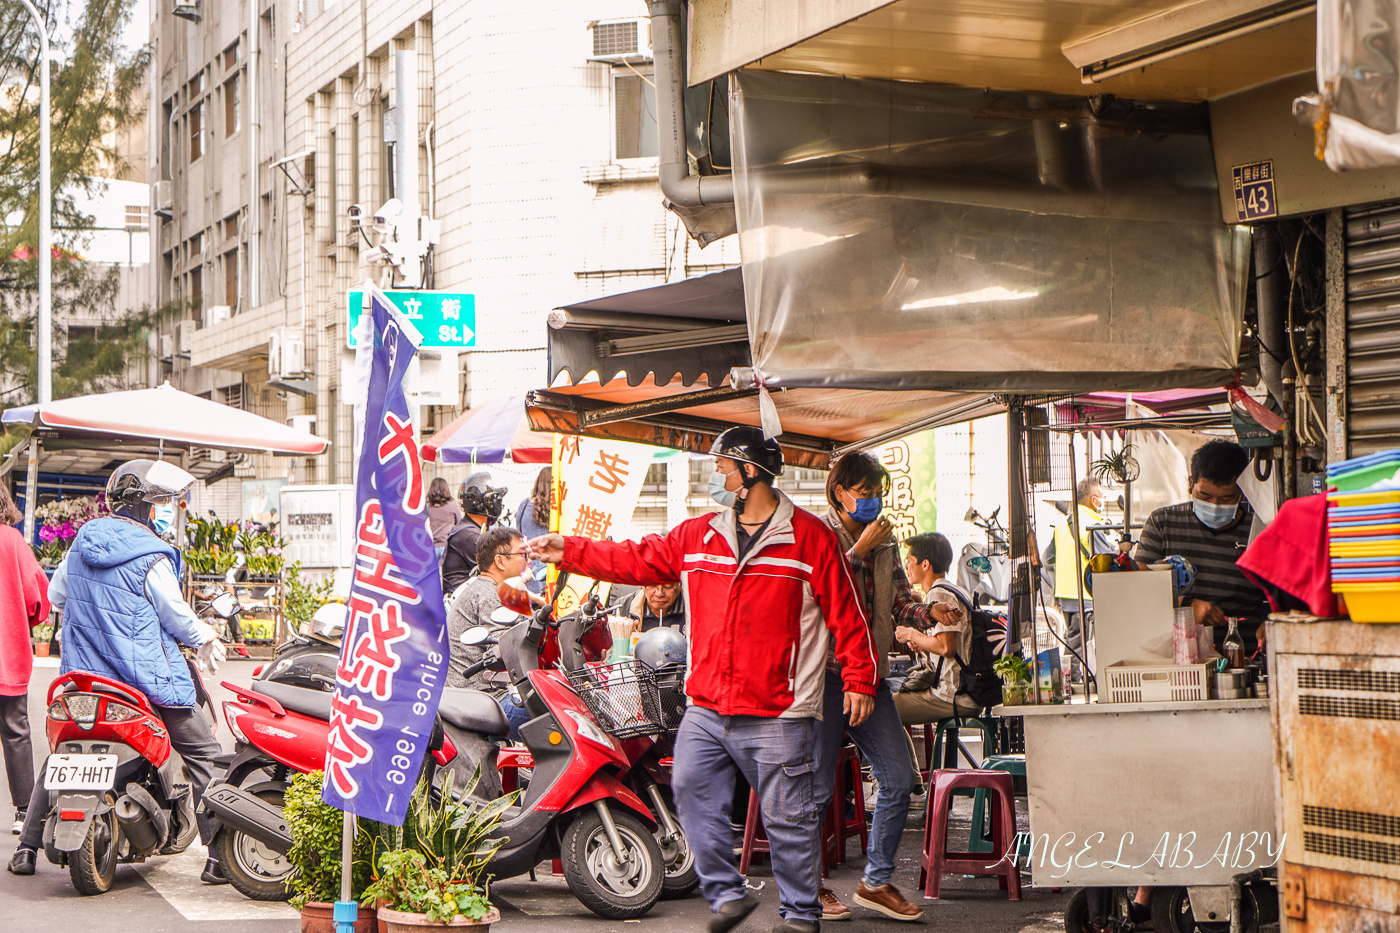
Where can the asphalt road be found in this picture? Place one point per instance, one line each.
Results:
(164, 895)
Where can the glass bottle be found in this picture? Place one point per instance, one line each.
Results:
(1234, 646)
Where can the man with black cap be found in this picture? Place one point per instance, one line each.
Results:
(481, 506)
(768, 589)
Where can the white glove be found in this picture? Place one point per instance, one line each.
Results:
(212, 653)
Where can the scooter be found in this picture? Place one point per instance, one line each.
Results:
(574, 809)
(116, 791)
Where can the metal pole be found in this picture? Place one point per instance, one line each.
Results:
(346, 911)
(43, 342)
(31, 489)
(1018, 599)
(406, 107)
(1078, 565)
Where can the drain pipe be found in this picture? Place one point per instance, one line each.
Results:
(679, 186)
(1271, 284)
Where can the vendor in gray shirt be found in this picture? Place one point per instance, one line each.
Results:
(1211, 530)
(500, 555)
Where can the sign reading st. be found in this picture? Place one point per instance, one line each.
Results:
(445, 319)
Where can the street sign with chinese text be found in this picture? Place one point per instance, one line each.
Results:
(1254, 190)
(445, 319)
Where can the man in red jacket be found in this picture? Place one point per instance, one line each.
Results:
(767, 589)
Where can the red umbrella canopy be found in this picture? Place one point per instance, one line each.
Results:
(487, 434)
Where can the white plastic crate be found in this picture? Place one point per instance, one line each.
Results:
(1156, 683)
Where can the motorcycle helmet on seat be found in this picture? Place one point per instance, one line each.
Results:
(479, 497)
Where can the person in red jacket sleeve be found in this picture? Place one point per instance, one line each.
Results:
(24, 603)
(769, 591)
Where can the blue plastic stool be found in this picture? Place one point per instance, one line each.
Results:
(980, 836)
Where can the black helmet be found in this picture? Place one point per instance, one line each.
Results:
(479, 497)
(136, 484)
(747, 444)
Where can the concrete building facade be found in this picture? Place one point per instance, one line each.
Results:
(535, 149)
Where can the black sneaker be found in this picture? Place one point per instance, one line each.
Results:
(732, 913)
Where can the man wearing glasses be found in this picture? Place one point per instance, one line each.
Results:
(1211, 530)
(500, 555)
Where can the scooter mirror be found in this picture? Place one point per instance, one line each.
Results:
(503, 616)
(476, 635)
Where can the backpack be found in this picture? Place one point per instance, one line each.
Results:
(989, 633)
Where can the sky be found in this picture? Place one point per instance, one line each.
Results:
(139, 29)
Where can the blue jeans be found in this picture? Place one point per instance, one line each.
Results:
(882, 741)
(775, 756)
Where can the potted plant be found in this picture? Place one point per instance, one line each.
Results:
(428, 873)
(1015, 679)
(315, 857)
(43, 634)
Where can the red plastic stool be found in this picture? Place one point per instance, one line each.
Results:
(837, 828)
(756, 839)
(937, 861)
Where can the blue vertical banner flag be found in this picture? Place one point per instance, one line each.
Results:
(393, 659)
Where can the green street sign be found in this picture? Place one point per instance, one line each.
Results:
(445, 319)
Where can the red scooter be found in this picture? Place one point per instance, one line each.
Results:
(116, 792)
(575, 808)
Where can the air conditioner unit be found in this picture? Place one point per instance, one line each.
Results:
(305, 423)
(215, 314)
(189, 11)
(184, 336)
(167, 346)
(618, 41)
(164, 194)
(285, 354)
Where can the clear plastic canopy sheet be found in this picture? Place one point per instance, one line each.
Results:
(919, 237)
(1356, 111)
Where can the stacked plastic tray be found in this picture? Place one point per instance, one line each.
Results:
(1363, 535)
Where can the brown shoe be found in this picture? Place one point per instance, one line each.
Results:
(832, 909)
(887, 900)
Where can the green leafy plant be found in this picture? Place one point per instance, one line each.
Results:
(1013, 669)
(304, 597)
(1120, 466)
(257, 630)
(316, 844)
(406, 882)
(42, 632)
(451, 829)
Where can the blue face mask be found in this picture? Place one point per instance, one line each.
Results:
(717, 491)
(867, 510)
(162, 517)
(1215, 516)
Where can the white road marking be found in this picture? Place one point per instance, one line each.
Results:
(176, 878)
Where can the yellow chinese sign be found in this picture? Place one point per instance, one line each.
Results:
(596, 486)
(910, 504)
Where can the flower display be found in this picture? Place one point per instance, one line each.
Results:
(58, 522)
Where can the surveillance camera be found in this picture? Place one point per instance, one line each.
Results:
(387, 216)
(376, 255)
(357, 214)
